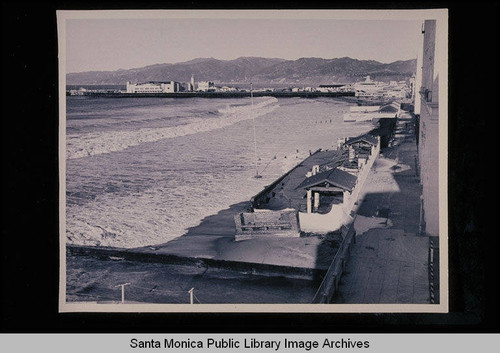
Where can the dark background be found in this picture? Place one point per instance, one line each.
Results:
(29, 241)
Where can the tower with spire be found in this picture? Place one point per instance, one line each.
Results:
(191, 85)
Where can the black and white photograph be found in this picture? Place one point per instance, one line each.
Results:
(253, 161)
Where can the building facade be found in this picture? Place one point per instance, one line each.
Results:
(153, 87)
(428, 145)
(206, 86)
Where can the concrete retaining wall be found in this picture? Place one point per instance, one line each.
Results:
(323, 223)
(256, 269)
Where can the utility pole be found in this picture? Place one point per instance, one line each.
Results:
(123, 291)
(191, 296)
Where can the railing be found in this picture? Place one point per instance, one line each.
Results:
(330, 284)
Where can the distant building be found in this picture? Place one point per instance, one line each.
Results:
(227, 89)
(367, 87)
(381, 90)
(77, 92)
(206, 86)
(373, 112)
(191, 86)
(328, 88)
(153, 87)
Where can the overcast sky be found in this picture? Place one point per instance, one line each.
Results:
(111, 44)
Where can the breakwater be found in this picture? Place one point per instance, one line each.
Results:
(240, 94)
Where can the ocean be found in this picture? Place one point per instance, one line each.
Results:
(141, 171)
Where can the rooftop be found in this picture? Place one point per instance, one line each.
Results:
(370, 139)
(334, 177)
(286, 194)
(389, 108)
(155, 82)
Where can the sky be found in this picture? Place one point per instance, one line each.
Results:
(104, 44)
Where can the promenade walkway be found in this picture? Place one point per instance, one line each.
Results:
(389, 262)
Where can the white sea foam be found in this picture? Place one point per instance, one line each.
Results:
(153, 217)
(90, 144)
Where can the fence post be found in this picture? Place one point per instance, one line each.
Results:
(123, 290)
(191, 296)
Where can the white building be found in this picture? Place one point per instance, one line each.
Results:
(206, 86)
(374, 89)
(227, 89)
(329, 88)
(368, 88)
(153, 87)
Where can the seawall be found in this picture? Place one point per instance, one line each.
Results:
(269, 270)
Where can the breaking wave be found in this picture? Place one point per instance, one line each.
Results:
(78, 146)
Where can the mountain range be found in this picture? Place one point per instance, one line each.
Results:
(254, 69)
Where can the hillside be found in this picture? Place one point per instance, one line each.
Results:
(246, 69)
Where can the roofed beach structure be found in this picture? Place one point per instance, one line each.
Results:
(329, 186)
(363, 140)
(317, 196)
